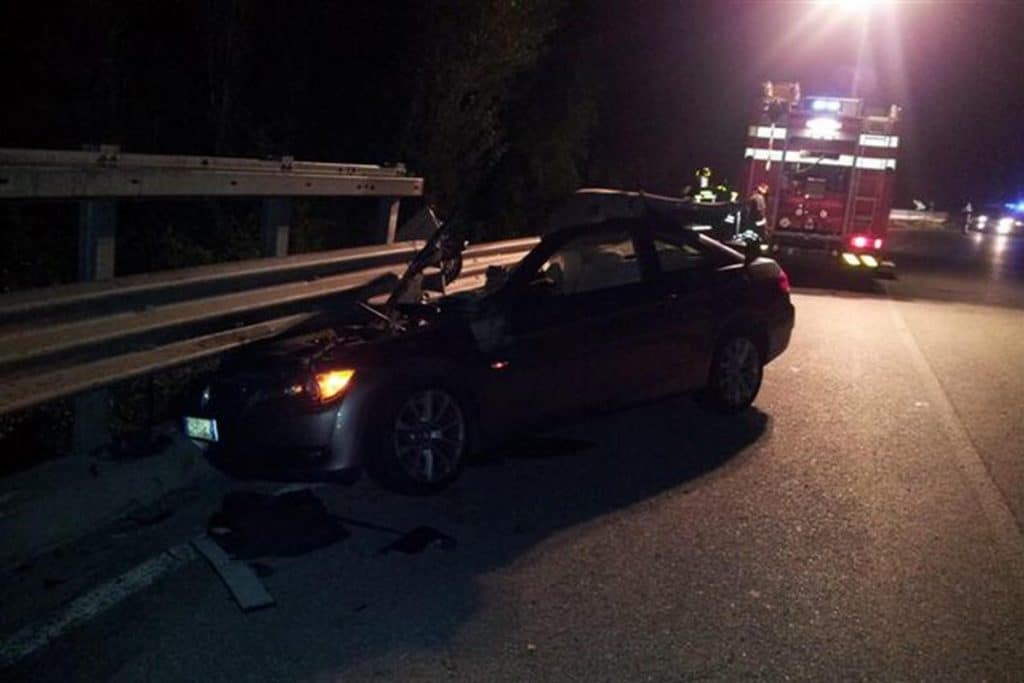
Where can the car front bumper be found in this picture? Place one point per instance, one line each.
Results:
(279, 440)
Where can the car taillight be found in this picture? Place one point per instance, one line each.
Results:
(784, 286)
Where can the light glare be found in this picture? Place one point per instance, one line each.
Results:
(823, 128)
(852, 5)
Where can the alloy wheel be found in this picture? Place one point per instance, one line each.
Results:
(739, 372)
(430, 435)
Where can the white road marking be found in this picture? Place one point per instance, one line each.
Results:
(34, 637)
(972, 466)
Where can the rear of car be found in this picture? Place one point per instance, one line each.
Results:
(775, 310)
(749, 291)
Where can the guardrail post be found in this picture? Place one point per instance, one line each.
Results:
(275, 222)
(97, 226)
(387, 219)
(97, 229)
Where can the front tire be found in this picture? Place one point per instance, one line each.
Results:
(736, 372)
(422, 440)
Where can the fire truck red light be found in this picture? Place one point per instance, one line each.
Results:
(878, 243)
(858, 241)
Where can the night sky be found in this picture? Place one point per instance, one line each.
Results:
(675, 81)
(956, 68)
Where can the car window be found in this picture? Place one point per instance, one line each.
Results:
(591, 263)
(676, 254)
(720, 254)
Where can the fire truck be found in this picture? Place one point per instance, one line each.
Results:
(829, 164)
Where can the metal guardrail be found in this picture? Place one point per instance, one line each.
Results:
(46, 327)
(80, 299)
(98, 178)
(68, 340)
(132, 326)
(64, 174)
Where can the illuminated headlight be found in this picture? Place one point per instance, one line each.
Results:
(982, 219)
(1004, 226)
(323, 386)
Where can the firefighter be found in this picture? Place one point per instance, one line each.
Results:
(702, 192)
(757, 208)
(725, 194)
(703, 178)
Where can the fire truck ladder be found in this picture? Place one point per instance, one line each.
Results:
(855, 218)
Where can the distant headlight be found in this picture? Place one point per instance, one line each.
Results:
(982, 219)
(1004, 226)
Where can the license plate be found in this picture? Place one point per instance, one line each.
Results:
(201, 428)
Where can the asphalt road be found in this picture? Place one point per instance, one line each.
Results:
(864, 521)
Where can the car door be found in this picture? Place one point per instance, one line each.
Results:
(530, 345)
(686, 289)
(558, 325)
(622, 340)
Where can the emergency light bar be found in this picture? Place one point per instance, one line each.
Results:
(826, 105)
(835, 106)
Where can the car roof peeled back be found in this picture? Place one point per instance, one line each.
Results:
(599, 205)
